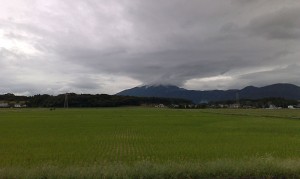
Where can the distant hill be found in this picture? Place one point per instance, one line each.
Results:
(287, 91)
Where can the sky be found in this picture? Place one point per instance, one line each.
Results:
(106, 46)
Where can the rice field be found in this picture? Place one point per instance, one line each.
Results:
(149, 142)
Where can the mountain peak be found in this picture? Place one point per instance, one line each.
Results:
(161, 86)
(250, 88)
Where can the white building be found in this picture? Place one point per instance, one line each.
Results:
(17, 105)
(160, 106)
(271, 106)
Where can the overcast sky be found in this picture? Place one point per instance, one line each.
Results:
(105, 46)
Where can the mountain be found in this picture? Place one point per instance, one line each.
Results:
(154, 91)
(287, 91)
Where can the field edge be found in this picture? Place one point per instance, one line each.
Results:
(263, 167)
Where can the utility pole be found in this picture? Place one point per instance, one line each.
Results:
(66, 104)
(237, 97)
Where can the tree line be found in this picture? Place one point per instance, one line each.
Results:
(104, 100)
(88, 100)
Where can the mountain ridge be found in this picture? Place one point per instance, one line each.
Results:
(281, 90)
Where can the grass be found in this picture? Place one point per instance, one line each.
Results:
(149, 142)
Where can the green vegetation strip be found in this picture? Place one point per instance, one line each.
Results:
(272, 113)
(148, 143)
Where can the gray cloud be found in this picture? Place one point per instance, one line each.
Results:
(105, 46)
(285, 74)
(84, 82)
(282, 24)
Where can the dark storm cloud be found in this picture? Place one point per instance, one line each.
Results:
(105, 46)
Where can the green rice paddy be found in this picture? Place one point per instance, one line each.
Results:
(149, 142)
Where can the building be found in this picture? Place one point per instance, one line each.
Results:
(3, 104)
(17, 105)
(160, 106)
(271, 106)
(235, 106)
